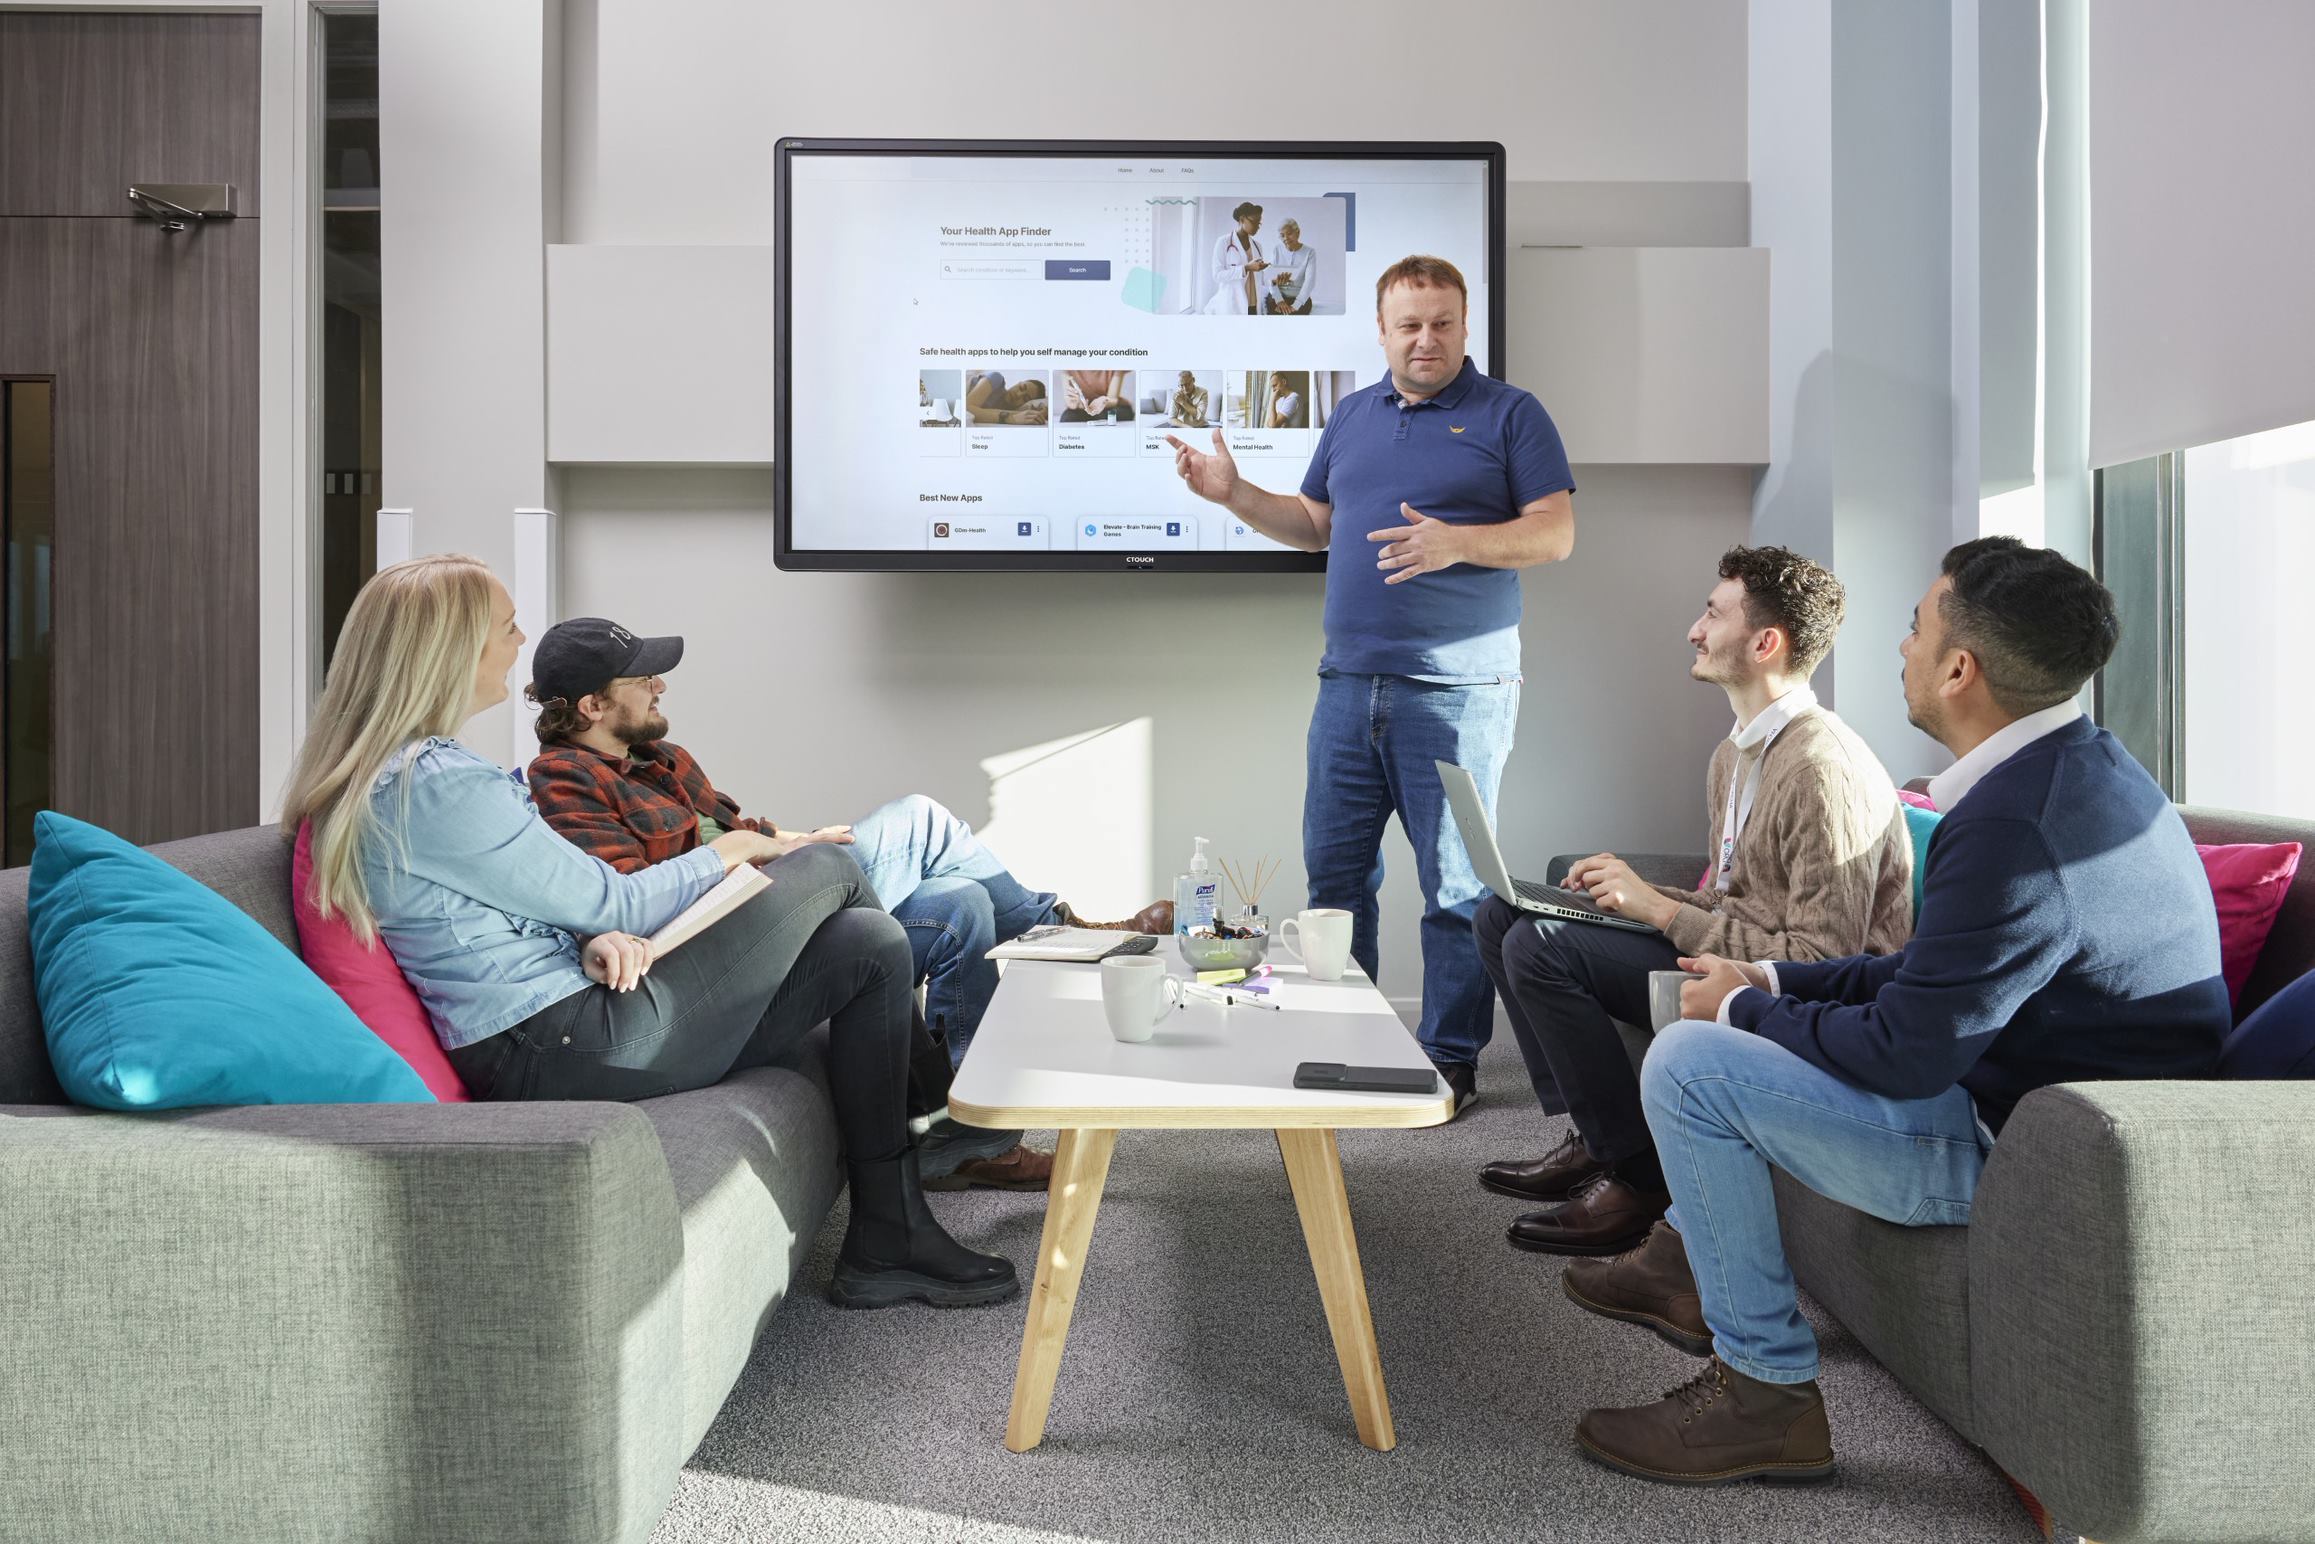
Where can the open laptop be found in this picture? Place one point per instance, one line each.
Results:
(1487, 859)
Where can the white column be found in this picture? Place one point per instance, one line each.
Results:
(537, 607)
(1851, 147)
(466, 109)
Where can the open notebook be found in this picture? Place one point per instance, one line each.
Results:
(1072, 943)
(737, 888)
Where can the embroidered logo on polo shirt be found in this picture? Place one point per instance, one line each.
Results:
(1454, 428)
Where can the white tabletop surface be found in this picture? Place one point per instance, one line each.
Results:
(1044, 1057)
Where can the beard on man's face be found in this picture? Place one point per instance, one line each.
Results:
(1922, 712)
(1721, 666)
(641, 728)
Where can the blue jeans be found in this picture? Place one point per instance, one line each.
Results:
(1724, 1105)
(956, 901)
(1373, 739)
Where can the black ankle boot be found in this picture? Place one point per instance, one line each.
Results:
(896, 1252)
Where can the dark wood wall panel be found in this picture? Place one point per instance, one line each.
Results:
(92, 102)
(151, 337)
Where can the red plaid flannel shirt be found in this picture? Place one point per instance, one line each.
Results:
(630, 813)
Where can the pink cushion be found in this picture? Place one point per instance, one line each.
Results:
(369, 981)
(1919, 801)
(2248, 881)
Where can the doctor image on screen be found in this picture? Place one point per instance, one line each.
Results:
(1292, 267)
(1427, 491)
(1239, 261)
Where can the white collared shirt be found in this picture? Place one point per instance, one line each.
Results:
(1952, 785)
(1752, 742)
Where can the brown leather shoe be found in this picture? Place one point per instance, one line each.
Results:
(1652, 1286)
(1718, 1426)
(1022, 1168)
(1553, 1177)
(1156, 917)
(1605, 1216)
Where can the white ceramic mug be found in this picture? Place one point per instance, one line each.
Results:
(1325, 935)
(1137, 994)
(1664, 997)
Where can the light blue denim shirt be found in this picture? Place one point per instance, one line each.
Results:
(479, 899)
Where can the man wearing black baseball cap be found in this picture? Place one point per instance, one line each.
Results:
(607, 778)
(587, 653)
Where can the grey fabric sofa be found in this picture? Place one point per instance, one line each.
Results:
(377, 1322)
(2127, 1325)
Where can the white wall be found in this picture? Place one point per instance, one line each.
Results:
(816, 696)
(673, 105)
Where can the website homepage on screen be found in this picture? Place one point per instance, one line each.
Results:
(1057, 319)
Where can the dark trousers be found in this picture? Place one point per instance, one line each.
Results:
(813, 947)
(1564, 984)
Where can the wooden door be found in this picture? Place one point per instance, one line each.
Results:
(150, 337)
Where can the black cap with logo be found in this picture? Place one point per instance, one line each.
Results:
(582, 656)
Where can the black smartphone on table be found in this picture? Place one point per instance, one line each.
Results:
(1334, 1076)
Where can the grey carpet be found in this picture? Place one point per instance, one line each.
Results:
(1200, 1399)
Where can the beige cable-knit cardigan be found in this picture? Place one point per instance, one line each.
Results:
(1824, 867)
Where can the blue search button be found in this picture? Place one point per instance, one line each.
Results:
(1087, 268)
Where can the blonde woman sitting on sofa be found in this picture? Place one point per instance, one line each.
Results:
(530, 955)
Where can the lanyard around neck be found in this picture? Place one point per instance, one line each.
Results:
(1744, 779)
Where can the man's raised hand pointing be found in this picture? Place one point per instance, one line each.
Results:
(1210, 475)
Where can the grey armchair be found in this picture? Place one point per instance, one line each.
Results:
(2127, 1325)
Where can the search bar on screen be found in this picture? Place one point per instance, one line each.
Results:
(991, 268)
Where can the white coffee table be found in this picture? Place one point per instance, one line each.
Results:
(1044, 1057)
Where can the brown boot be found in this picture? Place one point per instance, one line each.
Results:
(1651, 1286)
(1020, 1168)
(1156, 917)
(1606, 1216)
(1718, 1426)
(1553, 1177)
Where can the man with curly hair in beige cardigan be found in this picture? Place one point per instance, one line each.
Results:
(1809, 861)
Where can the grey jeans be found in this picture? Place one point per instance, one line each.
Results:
(814, 946)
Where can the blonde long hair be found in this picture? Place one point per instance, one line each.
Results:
(404, 670)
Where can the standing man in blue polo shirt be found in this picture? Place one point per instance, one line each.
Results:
(1427, 490)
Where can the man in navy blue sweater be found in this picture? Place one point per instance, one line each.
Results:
(2066, 933)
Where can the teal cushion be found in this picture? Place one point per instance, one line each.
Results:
(1918, 824)
(156, 992)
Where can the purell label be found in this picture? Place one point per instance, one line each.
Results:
(1205, 899)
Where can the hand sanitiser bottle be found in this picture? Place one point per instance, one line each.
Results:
(1197, 894)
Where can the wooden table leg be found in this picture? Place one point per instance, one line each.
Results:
(1080, 1164)
(1314, 1168)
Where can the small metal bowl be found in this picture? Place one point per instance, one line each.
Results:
(1227, 953)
